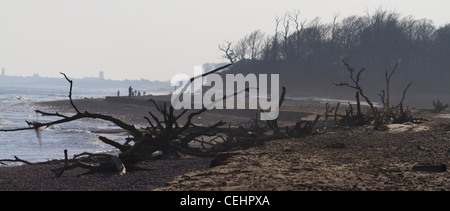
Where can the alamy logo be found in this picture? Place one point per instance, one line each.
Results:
(240, 92)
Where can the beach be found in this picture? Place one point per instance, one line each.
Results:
(336, 161)
(356, 158)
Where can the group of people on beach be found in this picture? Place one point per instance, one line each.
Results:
(132, 92)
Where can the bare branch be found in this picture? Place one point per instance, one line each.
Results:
(345, 84)
(388, 80)
(229, 54)
(403, 96)
(121, 147)
(360, 90)
(70, 92)
(36, 125)
(16, 159)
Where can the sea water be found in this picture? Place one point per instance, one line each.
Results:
(17, 106)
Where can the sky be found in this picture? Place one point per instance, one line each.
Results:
(155, 40)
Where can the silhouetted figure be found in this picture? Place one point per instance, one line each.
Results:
(118, 93)
(130, 92)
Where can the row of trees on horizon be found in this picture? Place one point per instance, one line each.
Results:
(375, 41)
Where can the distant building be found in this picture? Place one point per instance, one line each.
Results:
(101, 75)
(3, 71)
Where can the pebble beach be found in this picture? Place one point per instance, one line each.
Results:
(338, 159)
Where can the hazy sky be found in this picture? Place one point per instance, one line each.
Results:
(155, 40)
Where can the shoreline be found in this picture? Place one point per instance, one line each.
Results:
(341, 159)
(133, 109)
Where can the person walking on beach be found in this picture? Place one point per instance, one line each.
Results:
(130, 92)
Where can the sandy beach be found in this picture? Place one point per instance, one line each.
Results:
(338, 159)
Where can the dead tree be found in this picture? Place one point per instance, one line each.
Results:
(359, 120)
(396, 113)
(438, 106)
(165, 135)
(171, 138)
(387, 99)
(274, 123)
(229, 53)
(402, 115)
(286, 23)
(356, 85)
(328, 110)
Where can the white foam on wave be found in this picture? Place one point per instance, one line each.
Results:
(332, 100)
(20, 98)
(76, 130)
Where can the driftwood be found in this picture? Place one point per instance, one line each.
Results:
(438, 106)
(356, 85)
(16, 159)
(273, 124)
(393, 114)
(389, 114)
(166, 135)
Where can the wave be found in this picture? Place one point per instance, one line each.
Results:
(20, 98)
(58, 95)
(77, 131)
(333, 100)
(16, 106)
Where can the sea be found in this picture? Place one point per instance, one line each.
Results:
(18, 105)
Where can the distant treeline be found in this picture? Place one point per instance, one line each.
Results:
(308, 54)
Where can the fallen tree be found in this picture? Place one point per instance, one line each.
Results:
(165, 135)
